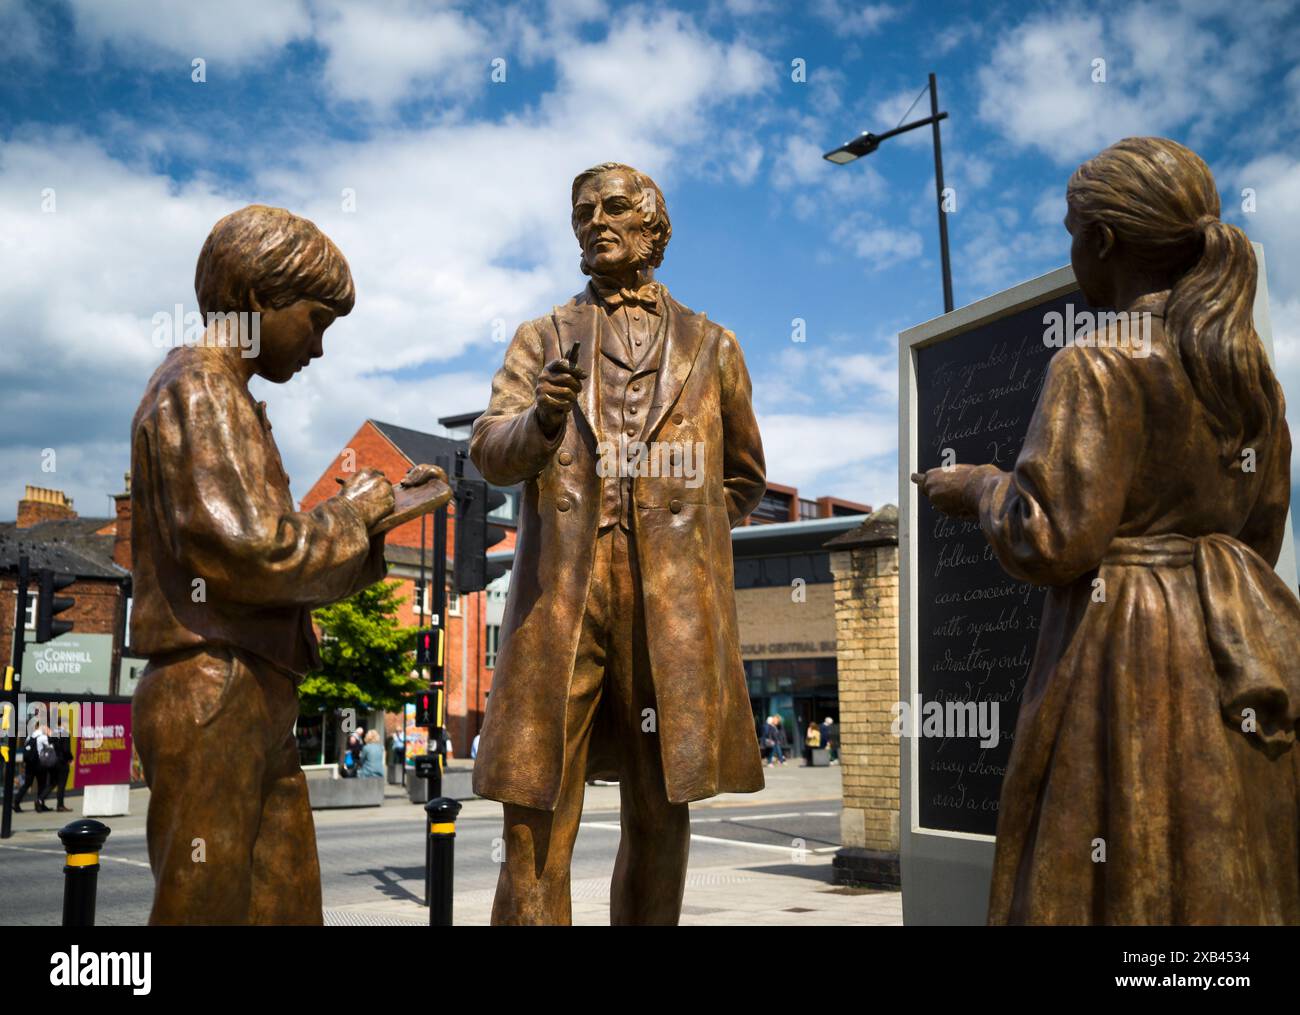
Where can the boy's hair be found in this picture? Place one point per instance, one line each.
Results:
(278, 255)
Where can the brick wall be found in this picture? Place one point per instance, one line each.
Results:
(97, 610)
(466, 691)
(865, 565)
(42, 505)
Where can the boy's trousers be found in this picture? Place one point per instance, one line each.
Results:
(231, 836)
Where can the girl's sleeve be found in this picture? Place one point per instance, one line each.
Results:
(1053, 516)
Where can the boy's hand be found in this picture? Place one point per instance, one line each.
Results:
(370, 493)
(421, 474)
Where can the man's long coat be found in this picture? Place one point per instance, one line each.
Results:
(683, 538)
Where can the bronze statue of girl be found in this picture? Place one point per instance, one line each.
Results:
(1155, 777)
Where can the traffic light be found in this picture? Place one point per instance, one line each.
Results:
(474, 502)
(48, 605)
(424, 708)
(426, 648)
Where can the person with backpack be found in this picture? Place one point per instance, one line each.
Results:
(33, 770)
(58, 751)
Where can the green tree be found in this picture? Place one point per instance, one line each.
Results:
(366, 656)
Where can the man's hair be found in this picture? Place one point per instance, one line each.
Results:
(653, 206)
(277, 255)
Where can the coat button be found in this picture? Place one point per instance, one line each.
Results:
(562, 504)
(675, 506)
(566, 458)
(678, 418)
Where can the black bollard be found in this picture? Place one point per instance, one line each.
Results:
(438, 859)
(83, 840)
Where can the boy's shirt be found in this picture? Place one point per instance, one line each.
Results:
(220, 555)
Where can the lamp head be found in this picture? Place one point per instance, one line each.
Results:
(864, 144)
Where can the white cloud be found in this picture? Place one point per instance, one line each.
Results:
(880, 246)
(852, 19)
(1168, 68)
(238, 32)
(852, 455)
(380, 53)
(459, 229)
(909, 104)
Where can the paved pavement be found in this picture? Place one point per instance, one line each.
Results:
(762, 858)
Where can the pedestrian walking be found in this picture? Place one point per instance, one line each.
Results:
(397, 756)
(767, 740)
(33, 771)
(831, 738)
(781, 741)
(59, 750)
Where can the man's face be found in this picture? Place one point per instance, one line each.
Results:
(609, 223)
(291, 338)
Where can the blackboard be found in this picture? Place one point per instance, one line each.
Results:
(976, 625)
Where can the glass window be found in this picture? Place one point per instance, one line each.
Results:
(749, 572)
(776, 571)
(491, 636)
(782, 569)
(774, 507)
(506, 512)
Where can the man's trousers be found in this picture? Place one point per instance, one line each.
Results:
(231, 836)
(612, 678)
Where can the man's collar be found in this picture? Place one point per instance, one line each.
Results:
(613, 296)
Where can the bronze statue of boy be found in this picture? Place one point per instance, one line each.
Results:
(226, 572)
(627, 417)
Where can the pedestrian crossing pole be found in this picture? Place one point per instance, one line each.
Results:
(13, 682)
(437, 663)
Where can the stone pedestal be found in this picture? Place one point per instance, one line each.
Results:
(106, 801)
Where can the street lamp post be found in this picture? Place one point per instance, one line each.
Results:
(867, 142)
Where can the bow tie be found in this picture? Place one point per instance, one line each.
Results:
(647, 296)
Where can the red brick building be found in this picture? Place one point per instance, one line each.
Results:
(473, 620)
(97, 551)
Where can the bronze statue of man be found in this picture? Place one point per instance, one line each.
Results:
(628, 418)
(225, 574)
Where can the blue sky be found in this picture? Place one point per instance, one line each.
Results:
(461, 184)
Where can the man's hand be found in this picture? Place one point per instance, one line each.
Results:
(558, 387)
(421, 474)
(371, 494)
(946, 489)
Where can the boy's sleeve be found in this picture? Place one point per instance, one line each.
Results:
(222, 491)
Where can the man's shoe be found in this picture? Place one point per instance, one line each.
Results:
(18, 808)
(41, 807)
(65, 810)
